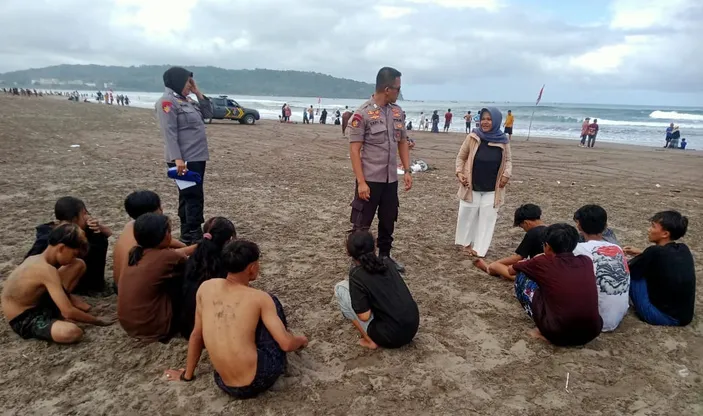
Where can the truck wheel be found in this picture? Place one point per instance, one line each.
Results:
(249, 119)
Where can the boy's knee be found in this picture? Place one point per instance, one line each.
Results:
(67, 333)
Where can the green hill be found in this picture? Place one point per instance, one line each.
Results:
(148, 78)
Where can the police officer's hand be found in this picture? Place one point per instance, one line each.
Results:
(462, 179)
(408, 179)
(181, 167)
(364, 191)
(503, 181)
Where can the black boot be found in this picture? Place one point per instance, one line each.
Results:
(398, 266)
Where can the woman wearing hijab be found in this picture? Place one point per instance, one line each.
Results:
(435, 122)
(483, 167)
(675, 136)
(183, 130)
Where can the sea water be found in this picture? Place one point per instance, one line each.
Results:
(626, 124)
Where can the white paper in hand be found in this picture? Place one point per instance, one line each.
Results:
(184, 184)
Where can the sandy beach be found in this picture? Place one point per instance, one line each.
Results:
(288, 188)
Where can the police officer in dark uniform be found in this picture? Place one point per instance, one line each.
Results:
(183, 130)
(376, 135)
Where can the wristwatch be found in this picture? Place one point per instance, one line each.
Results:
(408, 171)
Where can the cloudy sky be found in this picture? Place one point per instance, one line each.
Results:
(595, 51)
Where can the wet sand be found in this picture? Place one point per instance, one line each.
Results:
(288, 187)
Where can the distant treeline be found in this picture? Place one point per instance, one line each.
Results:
(148, 78)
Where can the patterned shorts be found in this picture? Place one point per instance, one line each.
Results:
(524, 291)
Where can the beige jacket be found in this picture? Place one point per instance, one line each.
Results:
(465, 163)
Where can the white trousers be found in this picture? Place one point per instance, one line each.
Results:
(476, 222)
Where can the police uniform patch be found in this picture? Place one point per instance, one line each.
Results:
(374, 114)
(356, 119)
(355, 123)
(398, 125)
(396, 113)
(397, 134)
(166, 106)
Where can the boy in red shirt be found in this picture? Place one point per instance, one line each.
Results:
(558, 290)
(447, 120)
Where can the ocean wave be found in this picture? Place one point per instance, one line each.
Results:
(658, 124)
(675, 115)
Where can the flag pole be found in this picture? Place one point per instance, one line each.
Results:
(539, 98)
(530, 128)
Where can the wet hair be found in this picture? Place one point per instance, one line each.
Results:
(592, 218)
(141, 202)
(449, 110)
(360, 246)
(673, 222)
(527, 212)
(68, 208)
(562, 238)
(239, 254)
(69, 235)
(149, 230)
(386, 78)
(206, 262)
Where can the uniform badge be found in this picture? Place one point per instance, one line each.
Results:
(397, 134)
(398, 125)
(374, 114)
(166, 106)
(356, 119)
(396, 113)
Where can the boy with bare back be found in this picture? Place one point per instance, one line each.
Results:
(244, 329)
(36, 299)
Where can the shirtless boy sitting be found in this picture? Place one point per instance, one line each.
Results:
(136, 204)
(244, 329)
(35, 300)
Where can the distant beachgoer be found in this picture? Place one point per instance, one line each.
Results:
(435, 122)
(467, 118)
(288, 113)
(593, 132)
(683, 143)
(36, 299)
(675, 135)
(345, 120)
(669, 130)
(323, 116)
(584, 131)
(447, 120)
(311, 114)
(126, 100)
(337, 118)
(244, 328)
(508, 126)
(305, 116)
(483, 168)
(283, 112)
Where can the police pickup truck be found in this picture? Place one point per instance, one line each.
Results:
(224, 108)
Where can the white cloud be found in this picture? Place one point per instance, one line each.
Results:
(393, 12)
(463, 4)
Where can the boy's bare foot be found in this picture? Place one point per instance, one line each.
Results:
(534, 333)
(481, 264)
(79, 303)
(368, 344)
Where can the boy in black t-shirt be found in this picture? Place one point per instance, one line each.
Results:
(663, 277)
(375, 298)
(527, 217)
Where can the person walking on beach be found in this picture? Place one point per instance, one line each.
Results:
(447, 120)
(311, 115)
(377, 135)
(508, 126)
(421, 121)
(185, 140)
(468, 118)
(483, 167)
(593, 132)
(584, 131)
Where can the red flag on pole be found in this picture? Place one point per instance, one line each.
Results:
(539, 97)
